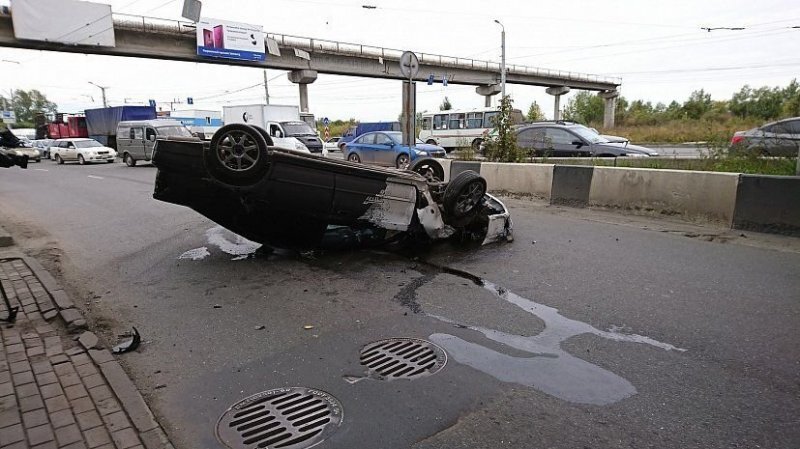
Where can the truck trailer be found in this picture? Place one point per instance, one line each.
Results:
(102, 123)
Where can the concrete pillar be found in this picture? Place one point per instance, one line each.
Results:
(488, 91)
(610, 97)
(303, 78)
(557, 92)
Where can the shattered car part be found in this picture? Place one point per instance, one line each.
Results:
(288, 199)
(128, 345)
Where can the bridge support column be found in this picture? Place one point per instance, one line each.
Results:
(488, 91)
(557, 92)
(303, 78)
(610, 97)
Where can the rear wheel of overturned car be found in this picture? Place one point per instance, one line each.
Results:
(464, 193)
(129, 160)
(237, 155)
(402, 161)
(429, 168)
(353, 157)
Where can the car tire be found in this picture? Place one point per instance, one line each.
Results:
(464, 194)
(342, 146)
(237, 155)
(353, 157)
(429, 168)
(81, 160)
(129, 160)
(431, 142)
(58, 159)
(403, 161)
(476, 145)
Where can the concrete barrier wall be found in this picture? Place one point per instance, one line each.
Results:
(692, 194)
(533, 179)
(768, 204)
(759, 203)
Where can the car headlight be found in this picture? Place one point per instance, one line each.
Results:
(421, 152)
(300, 146)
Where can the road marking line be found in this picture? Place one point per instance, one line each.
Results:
(41, 169)
(95, 177)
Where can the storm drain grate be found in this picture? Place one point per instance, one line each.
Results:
(285, 418)
(403, 358)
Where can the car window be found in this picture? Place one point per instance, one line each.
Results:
(474, 120)
(456, 121)
(366, 139)
(64, 144)
(426, 123)
(440, 121)
(794, 127)
(559, 136)
(124, 132)
(787, 127)
(383, 139)
(488, 119)
(531, 138)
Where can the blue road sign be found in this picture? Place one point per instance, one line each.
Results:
(189, 100)
(325, 121)
(152, 103)
(430, 79)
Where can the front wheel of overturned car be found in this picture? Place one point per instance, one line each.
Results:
(402, 161)
(237, 155)
(463, 194)
(429, 168)
(353, 157)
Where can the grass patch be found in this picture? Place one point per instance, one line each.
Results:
(679, 131)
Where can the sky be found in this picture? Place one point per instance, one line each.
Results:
(658, 49)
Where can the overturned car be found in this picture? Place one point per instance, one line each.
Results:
(290, 199)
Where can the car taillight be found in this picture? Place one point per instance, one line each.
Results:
(736, 139)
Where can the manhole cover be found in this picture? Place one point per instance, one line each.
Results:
(291, 418)
(403, 358)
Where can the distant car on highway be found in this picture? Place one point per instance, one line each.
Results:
(385, 148)
(43, 146)
(82, 150)
(32, 153)
(568, 139)
(781, 138)
(332, 144)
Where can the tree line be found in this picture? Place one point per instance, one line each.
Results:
(763, 103)
(25, 104)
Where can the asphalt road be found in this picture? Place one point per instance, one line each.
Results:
(593, 330)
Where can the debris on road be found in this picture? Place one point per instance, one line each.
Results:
(128, 345)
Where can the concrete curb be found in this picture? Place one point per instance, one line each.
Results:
(150, 432)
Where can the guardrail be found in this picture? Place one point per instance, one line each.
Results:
(168, 26)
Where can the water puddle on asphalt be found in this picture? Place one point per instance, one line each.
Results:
(227, 242)
(548, 368)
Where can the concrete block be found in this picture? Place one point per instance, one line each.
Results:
(571, 185)
(456, 167)
(531, 179)
(446, 166)
(708, 196)
(62, 299)
(768, 204)
(129, 396)
(5, 238)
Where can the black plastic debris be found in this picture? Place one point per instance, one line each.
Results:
(128, 345)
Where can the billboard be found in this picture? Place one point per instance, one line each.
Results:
(63, 21)
(230, 40)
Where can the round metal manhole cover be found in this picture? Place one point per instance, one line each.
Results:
(402, 358)
(286, 418)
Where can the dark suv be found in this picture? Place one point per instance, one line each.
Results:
(569, 139)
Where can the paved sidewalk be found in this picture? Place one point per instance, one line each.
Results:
(56, 392)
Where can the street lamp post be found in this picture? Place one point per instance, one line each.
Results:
(103, 90)
(502, 60)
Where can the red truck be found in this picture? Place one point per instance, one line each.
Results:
(75, 127)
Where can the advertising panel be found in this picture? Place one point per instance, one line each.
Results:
(230, 40)
(64, 21)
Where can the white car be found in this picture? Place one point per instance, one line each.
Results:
(83, 150)
(332, 144)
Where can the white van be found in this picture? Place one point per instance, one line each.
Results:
(136, 139)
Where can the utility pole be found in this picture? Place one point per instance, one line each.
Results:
(502, 60)
(266, 87)
(103, 90)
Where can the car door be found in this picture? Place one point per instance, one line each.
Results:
(383, 150)
(562, 142)
(365, 147)
(136, 145)
(532, 141)
(68, 150)
(149, 142)
(784, 138)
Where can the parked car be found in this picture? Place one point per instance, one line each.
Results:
(332, 144)
(82, 150)
(43, 147)
(290, 199)
(385, 148)
(568, 139)
(781, 138)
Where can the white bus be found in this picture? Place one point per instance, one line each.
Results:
(461, 127)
